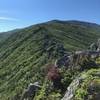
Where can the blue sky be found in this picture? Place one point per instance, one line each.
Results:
(21, 13)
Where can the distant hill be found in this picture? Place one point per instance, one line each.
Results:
(25, 52)
(5, 35)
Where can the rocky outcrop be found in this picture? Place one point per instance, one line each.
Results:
(29, 93)
(63, 61)
(73, 60)
(95, 46)
(91, 81)
(72, 88)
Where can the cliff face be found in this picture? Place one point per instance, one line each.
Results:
(85, 87)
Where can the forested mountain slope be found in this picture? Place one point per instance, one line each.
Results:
(25, 53)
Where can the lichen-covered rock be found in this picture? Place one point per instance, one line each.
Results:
(71, 90)
(85, 87)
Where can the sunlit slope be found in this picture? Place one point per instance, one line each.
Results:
(24, 54)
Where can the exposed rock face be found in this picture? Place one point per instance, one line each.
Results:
(91, 81)
(64, 61)
(73, 60)
(29, 93)
(95, 46)
(72, 88)
(98, 44)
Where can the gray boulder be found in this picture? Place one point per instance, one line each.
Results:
(30, 92)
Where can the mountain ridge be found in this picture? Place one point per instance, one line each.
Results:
(55, 20)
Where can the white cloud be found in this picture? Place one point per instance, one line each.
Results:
(8, 18)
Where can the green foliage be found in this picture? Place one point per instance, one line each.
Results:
(47, 92)
(24, 54)
(68, 76)
(80, 94)
(91, 77)
(42, 93)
